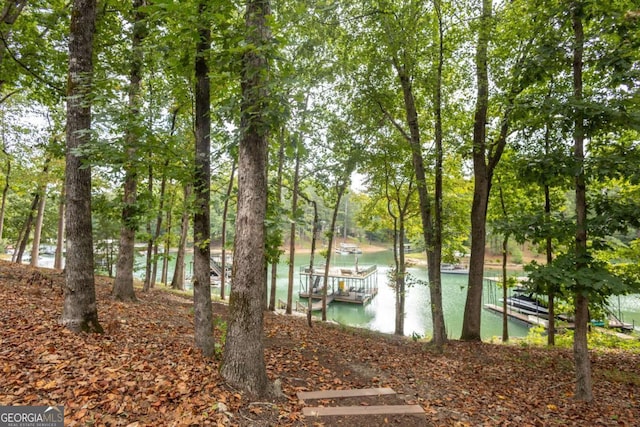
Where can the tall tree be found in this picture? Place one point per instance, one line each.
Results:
(580, 349)
(482, 182)
(123, 283)
(80, 312)
(487, 151)
(202, 182)
(244, 364)
(435, 243)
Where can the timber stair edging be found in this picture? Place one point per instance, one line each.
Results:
(319, 411)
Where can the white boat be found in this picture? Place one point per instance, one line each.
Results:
(453, 269)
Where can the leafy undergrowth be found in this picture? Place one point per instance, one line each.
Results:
(143, 370)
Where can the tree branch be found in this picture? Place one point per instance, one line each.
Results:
(393, 121)
(58, 89)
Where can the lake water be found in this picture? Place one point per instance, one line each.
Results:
(379, 314)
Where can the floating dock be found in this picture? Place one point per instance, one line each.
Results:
(352, 285)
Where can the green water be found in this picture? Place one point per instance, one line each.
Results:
(379, 314)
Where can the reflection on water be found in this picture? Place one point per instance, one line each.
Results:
(379, 314)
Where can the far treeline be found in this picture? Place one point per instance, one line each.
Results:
(182, 123)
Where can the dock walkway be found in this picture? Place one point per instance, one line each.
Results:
(526, 318)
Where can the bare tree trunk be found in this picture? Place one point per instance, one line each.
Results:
(5, 191)
(57, 263)
(244, 364)
(334, 218)
(37, 231)
(505, 317)
(148, 258)
(505, 247)
(167, 239)
(311, 256)
(158, 230)
(35, 209)
(23, 237)
(79, 312)
(203, 316)
(225, 214)
(292, 230)
(551, 294)
(400, 280)
(177, 282)
(584, 389)
(274, 266)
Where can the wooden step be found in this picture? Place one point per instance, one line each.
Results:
(336, 394)
(362, 410)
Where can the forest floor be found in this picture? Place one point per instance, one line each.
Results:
(144, 371)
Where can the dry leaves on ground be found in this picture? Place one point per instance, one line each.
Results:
(143, 370)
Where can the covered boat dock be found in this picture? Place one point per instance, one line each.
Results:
(352, 285)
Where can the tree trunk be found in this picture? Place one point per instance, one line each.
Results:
(292, 233)
(400, 280)
(167, 239)
(37, 231)
(79, 312)
(23, 237)
(580, 348)
(57, 263)
(36, 206)
(158, 230)
(5, 191)
(433, 260)
(312, 255)
(147, 265)
(551, 330)
(225, 214)
(177, 282)
(123, 283)
(334, 219)
(551, 335)
(482, 183)
(244, 364)
(203, 315)
(505, 282)
(505, 317)
(274, 265)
